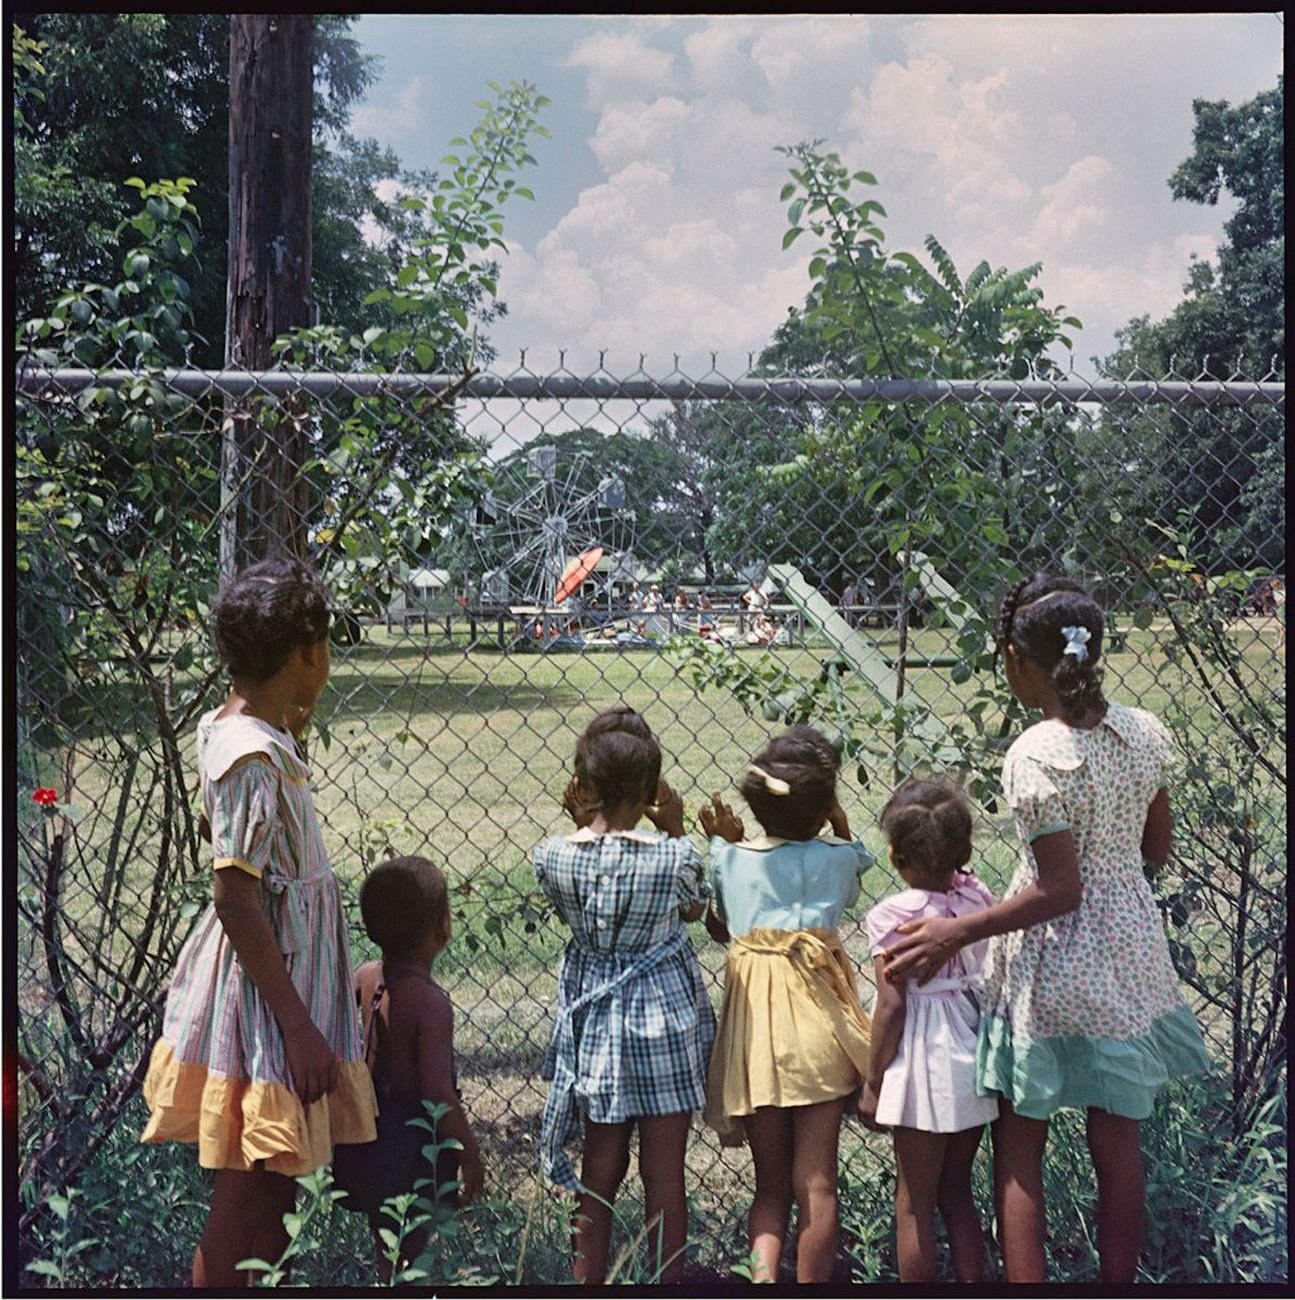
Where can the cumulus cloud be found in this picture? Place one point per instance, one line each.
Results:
(389, 122)
(619, 64)
(1006, 136)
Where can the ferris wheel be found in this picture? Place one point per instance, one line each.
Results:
(544, 513)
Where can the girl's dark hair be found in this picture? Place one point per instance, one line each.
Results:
(402, 901)
(927, 822)
(1032, 625)
(618, 759)
(265, 612)
(803, 759)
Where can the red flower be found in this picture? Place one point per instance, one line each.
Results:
(45, 797)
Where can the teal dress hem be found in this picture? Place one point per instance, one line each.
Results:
(1075, 1071)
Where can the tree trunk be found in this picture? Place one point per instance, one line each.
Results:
(271, 103)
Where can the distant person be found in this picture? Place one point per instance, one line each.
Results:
(764, 631)
(681, 600)
(635, 601)
(849, 600)
(755, 599)
(653, 601)
(703, 600)
(409, 1048)
(1081, 1007)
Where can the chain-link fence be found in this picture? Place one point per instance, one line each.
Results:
(510, 553)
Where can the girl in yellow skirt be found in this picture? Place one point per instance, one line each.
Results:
(792, 1044)
(260, 1062)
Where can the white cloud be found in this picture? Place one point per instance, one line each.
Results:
(1008, 137)
(405, 115)
(1075, 205)
(621, 64)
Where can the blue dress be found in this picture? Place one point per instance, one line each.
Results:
(634, 1025)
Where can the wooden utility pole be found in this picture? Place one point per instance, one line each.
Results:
(271, 104)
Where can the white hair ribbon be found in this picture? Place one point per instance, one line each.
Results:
(1077, 639)
(774, 784)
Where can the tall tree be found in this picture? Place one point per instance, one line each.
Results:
(1232, 320)
(271, 90)
(122, 94)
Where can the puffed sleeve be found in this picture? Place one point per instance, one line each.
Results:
(691, 885)
(540, 860)
(1162, 745)
(1033, 797)
(243, 814)
(882, 924)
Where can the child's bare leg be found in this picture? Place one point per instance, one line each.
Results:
(662, 1142)
(606, 1158)
(817, 1131)
(1121, 1192)
(245, 1222)
(919, 1162)
(958, 1207)
(769, 1133)
(1019, 1143)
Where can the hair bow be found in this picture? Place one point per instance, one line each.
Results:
(774, 784)
(1077, 639)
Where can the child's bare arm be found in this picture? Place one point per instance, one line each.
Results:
(836, 820)
(887, 1030)
(310, 1059)
(1158, 830)
(436, 1084)
(715, 926)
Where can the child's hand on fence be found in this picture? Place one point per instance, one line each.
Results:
(717, 818)
(666, 812)
(575, 805)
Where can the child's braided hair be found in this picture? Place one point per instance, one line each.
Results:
(618, 759)
(1031, 619)
(791, 783)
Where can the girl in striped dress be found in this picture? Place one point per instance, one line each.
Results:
(634, 1025)
(260, 1061)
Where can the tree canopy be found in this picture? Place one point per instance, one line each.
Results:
(100, 97)
(1231, 320)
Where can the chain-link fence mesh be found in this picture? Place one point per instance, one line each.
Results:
(751, 552)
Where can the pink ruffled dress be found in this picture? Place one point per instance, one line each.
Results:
(931, 1083)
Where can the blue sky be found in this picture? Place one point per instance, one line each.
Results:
(657, 227)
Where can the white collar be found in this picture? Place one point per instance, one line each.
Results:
(586, 835)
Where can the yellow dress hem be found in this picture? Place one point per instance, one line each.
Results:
(237, 1123)
(791, 1031)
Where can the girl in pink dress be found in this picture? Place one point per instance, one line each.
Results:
(922, 1072)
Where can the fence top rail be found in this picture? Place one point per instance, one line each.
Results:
(37, 382)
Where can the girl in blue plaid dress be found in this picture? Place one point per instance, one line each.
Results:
(634, 1025)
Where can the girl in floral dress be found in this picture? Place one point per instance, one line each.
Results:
(634, 1025)
(260, 1062)
(1082, 1008)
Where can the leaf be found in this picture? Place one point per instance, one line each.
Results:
(791, 236)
